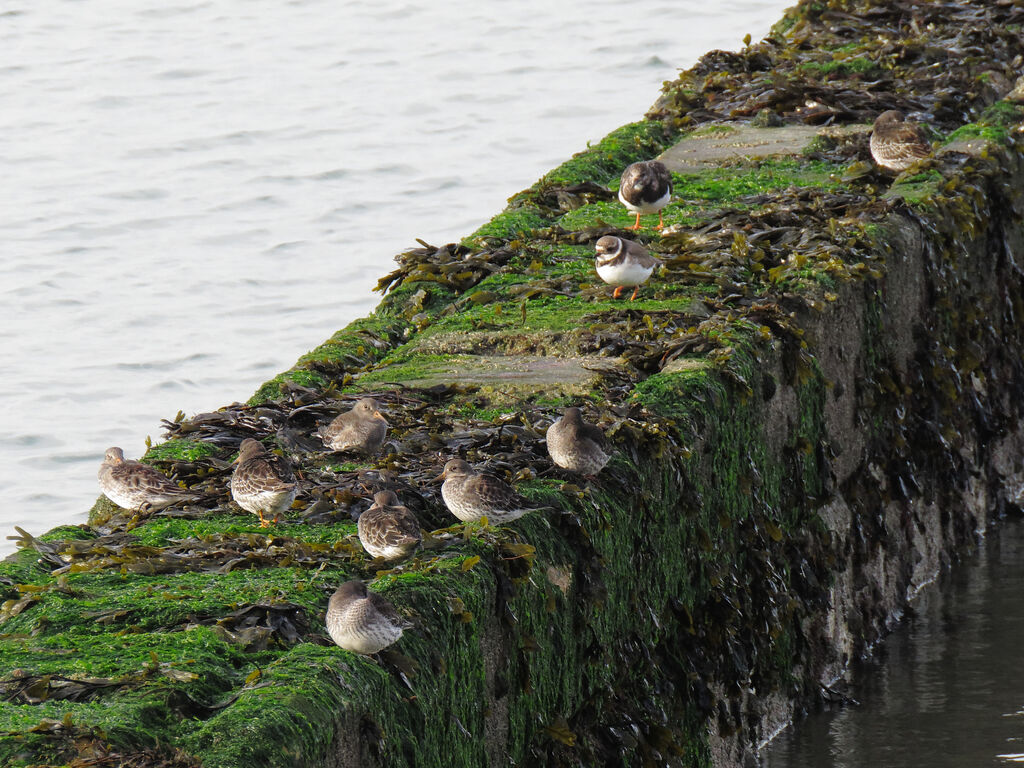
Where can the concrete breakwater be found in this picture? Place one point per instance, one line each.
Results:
(813, 405)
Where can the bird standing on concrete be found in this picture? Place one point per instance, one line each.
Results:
(646, 187)
(623, 263)
(137, 486)
(470, 495)
(896, 144)
(576, 445)
(387, 529)
(361, 429)
(360, 620)
(262, 483)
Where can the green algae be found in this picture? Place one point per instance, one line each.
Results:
(917, 188)
(695, 193)
(179, 450)
(277, 386)
(510, 224)
(996, 124)
(600, 164)
(855, 65)
(161, 532)
(740, 566)
(604, 161)
(736, 181)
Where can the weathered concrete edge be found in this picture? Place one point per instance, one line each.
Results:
(881, 577)
(924, 535)
(886, 327)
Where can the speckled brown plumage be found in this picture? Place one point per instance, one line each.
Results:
(575, 445)
(136, 486)
(470, 495)
(387, 529)
(262, 483)
(896, 144)
(361, 429)
(360, 620)
(646, 187)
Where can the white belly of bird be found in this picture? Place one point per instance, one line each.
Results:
(654, 207)
(894, 157)
(468, 513)
(353, 634)
(134, 499)
(628, 273)
(124, 499)
(589, 463)
(269, 502)
(387, 552)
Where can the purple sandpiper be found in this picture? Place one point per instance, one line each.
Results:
(471, 495)
(361, 429)
(136, 486)
(387, 529)
(896, 144)
(262, 483)
(576, 445)
(360, 620)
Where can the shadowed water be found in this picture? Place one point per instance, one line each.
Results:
(945, 690)
(197, 193)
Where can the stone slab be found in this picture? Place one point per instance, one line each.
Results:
(744, 142)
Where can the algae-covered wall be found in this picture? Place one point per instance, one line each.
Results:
(813, 404)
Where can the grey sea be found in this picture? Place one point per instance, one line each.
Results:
(196, 193)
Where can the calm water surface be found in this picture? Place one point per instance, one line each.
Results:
(946, 690)
(196, 193)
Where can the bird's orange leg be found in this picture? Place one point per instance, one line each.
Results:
(263, 523)
(661, 221)
(635, 290)
(636, 226)
(617, 291)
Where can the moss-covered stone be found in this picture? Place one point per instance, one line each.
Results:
(813, 403)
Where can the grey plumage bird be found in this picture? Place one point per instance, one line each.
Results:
(646, 187)
(262, 483)
(623, 263)
(896, 143)
(471, 495)
(576, 445)
(137, 486)
(387, 529)
(361, 429)
(360, 620)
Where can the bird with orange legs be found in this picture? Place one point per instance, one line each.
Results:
(646, 187)
(623, 263)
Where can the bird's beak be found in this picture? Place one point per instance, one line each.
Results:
(438, 478)
(379, 415)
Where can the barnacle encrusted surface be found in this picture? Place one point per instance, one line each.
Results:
(813, 406)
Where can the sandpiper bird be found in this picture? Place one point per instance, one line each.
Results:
(362, 429)
(387, 529)
(470, 495)
(262, 482)
(646, 187)
(360, 620)
(134, 485)
(623, 263)
(575, 445)
(897, 144)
